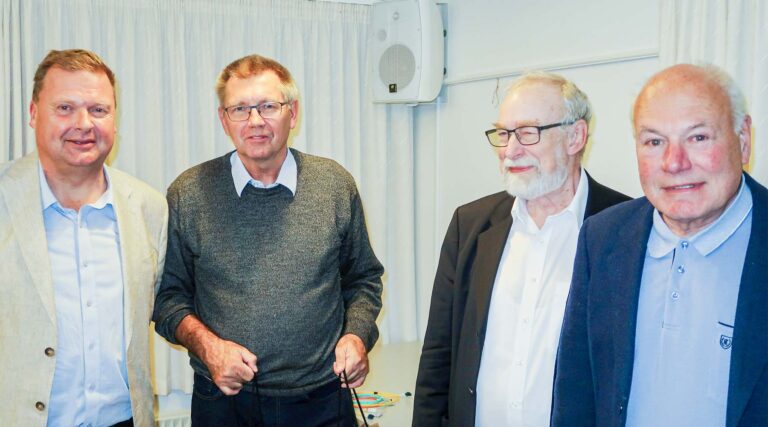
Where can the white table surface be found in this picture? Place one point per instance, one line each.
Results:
(393, 369)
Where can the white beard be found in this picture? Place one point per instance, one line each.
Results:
(529, 188)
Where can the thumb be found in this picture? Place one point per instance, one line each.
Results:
(340, 364)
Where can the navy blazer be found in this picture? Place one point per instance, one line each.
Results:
(461, 296)
(596, 355)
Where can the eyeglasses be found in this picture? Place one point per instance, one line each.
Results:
(526, 135)
(267, 110)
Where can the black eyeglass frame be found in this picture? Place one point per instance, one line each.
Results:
(489, 132)
(257, 108)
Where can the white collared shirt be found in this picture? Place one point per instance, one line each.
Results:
(287, 176)
(90, 381)
(514, 385)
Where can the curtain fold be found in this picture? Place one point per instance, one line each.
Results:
(167, 54)
(733, 35)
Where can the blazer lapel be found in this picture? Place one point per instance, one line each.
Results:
(750, 340)
(490, 246)
(22, 196)
(128, 225)
(633, 242)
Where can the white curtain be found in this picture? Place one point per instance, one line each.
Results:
(166, 55)
(732, 34)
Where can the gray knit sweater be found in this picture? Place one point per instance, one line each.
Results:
(285, 276)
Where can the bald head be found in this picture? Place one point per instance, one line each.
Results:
(706, 79)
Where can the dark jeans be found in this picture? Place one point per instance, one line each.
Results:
(320, 407)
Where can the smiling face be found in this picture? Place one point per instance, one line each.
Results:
(74, 120)
(689, 157)
(260, 143)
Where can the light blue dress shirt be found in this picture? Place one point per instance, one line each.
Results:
(685, 321)
(90, 382)
(287, 177)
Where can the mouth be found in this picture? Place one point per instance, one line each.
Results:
(81, 142)
(683, 187)
(518, 169)
(257, 138)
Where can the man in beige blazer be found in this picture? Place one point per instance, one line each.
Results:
(82, 247)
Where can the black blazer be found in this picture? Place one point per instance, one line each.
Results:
(469, 259)
(597, 344)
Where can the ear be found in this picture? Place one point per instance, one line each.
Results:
(294, 112)
(223, 120)
(577, 138)
(745, 139)
(32, 114)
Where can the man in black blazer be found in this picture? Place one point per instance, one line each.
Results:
(505, 267)
(667, 321)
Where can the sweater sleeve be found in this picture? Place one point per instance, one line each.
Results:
(175, 296)
(360, 273)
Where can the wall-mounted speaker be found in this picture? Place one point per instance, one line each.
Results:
(406, 51)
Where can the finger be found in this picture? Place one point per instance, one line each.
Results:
(231, 389)
(341, 360)
(249, 359)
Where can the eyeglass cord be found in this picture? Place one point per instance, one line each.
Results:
(256, 403)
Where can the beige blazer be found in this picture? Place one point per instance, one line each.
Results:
(27, 308)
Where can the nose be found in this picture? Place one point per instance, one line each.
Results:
(675, 158)
(83, 119)
(513, 150)
(255, 118)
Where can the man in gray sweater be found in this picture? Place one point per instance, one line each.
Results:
(270, 280)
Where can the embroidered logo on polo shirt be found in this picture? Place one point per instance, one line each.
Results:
(726, 342)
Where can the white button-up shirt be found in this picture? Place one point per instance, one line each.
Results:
(514, 386)
(90, 382)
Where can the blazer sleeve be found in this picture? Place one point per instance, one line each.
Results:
(574, 393)
(433, 378)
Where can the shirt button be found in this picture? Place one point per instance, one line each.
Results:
(50, 352)
(519, 363)
(40, 406)
(88, 303)
(684, 244)
(525, 321)
(675, 295)
(680, 269)
(85, 265)
(92, 387)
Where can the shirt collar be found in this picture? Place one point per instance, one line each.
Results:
(48, 198)
(663, 240)
(575, 209)
(286, 177)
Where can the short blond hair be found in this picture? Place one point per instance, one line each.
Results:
(253, 65)
(71, 60)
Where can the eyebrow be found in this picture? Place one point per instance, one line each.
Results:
(688, 129)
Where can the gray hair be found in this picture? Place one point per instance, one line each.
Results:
(729, 86)
(575, 102)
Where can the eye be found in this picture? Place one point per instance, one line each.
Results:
(699, 138)
(502, 133)
(653, 142)
(239, 109)
(64, 109)
(269, 107)
(99, 111)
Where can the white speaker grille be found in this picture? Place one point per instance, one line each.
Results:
(397, 67)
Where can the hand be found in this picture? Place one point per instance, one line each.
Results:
(231, 365)
(351, 357)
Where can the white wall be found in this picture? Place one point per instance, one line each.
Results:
(607, 47)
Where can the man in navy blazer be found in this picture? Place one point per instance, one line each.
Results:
(505, 267)
(667, 321)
